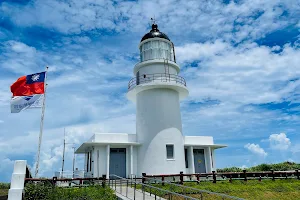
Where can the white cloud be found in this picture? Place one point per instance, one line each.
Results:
(252, 19)
(247, 74)
(279, 141)
(256, 149)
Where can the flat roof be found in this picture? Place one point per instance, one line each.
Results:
(214, 146)
(83, 147)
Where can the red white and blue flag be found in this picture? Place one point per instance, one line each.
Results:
(28, 92)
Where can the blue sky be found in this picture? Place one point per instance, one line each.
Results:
(241, 61)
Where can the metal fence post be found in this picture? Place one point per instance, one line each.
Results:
(297, 174)
(127, 188)
(214, 177)
(273, 175)
(181, 178)
(103, 180)
(143, 178)
(134, 190)
(163, 180)
(120, 185)
(245, 175)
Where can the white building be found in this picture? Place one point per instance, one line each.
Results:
(158, 147)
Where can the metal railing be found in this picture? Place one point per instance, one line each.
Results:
(148, 188)
(185, 190)
(148, 78)
(136, 190)
(230, 176)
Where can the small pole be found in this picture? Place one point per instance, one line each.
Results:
(198, 178)
(181, 178)
(127, 188)
(74, 161)
(297, 174)
(163, 180)
(245, 175)
(103, 180)
(144, 177)
(134, 190)
(273, 175)
(63, 158)
(41, 127)
(214, 177)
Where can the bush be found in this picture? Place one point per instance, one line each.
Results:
(4, 185)
(47, 192)
(285, 166)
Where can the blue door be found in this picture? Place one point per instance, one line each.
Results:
(199, 161)
(117, 162)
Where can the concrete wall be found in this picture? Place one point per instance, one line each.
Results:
(198, 140)
(159, 123)
(157, 68)
(114, 137)
(99, 162)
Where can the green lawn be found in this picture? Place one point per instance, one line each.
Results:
(253, 189)
(3, 192)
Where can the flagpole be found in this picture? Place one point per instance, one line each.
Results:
(41, 127)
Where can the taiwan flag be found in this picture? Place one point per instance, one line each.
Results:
(29, 85)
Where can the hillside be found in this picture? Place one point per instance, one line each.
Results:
(284, 166)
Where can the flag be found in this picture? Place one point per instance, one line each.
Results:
(19, 103)
(29, 85)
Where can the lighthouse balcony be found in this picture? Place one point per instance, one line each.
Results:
(157, 79)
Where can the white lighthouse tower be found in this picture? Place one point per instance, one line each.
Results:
(157, 90)
(158, 146)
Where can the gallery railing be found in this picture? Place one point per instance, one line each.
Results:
(148, 78)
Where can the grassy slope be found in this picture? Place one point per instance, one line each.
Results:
(284, 166)
(3, 192)
(4, 189)
(267, 189)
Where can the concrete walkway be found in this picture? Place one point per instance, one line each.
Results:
(127, 193)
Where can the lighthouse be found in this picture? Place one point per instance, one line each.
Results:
(157, 90)
(158, 145)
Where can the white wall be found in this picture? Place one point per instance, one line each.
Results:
(157, 68)
(198, 140)
(159, 123)
(114, 138)
(101, 165)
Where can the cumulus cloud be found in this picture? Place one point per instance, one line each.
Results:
(256, 149)
(93, 48)
(279, 141)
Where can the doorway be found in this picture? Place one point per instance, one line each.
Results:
(199, 161)
(117, 162)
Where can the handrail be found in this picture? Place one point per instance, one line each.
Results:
(150, 186)
(157, 77)
(198, 190)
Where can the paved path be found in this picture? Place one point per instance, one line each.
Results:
(127, 193)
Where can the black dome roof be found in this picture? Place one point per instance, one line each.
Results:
(155, 33)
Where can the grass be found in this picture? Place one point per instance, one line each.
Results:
(284, 166)
(284, 189)
(4, 189)
(47, 192)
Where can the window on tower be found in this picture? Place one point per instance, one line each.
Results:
(170, 151)
(156, 49)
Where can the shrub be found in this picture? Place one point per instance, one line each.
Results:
(285, 166)
(4, 185)
(47, 192)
